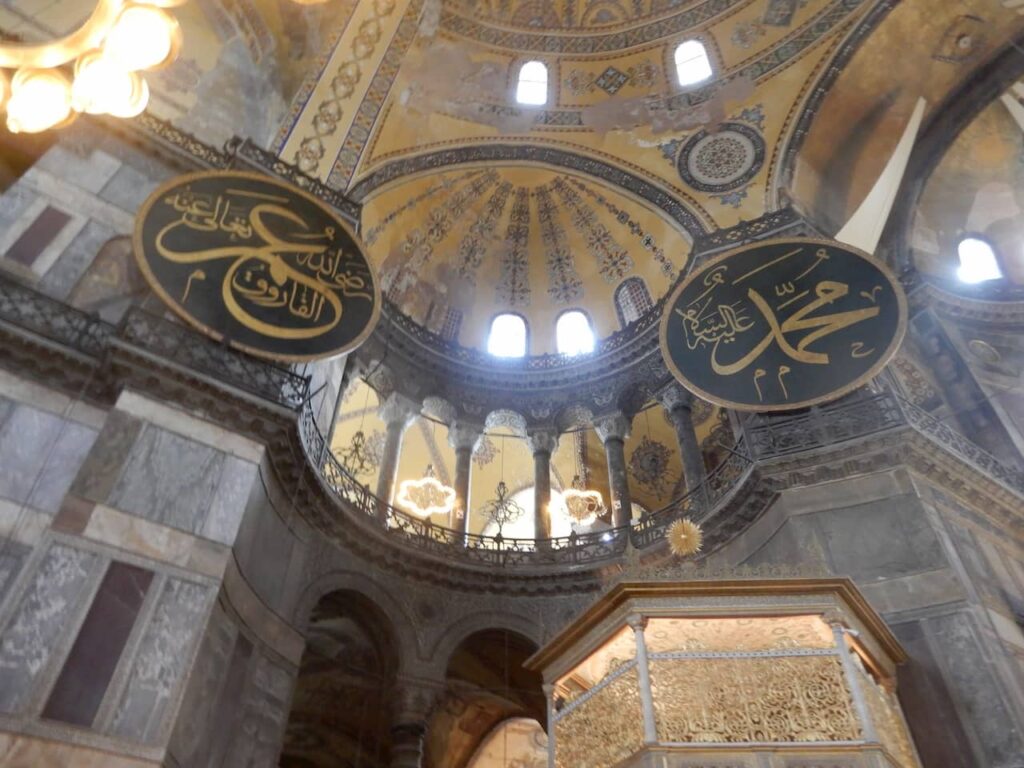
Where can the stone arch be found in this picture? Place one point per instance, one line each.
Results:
(486, 683)
(459, 631)
(572, 416)
(506, 418)
(402, 626)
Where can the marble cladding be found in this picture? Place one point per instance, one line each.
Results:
(41, 620)
(12, 559)
(264, 715)
(166, 478)
(163, 658)
(19, 751)
(880, 539)
(100, 180)
(40, 454)
(216, 677)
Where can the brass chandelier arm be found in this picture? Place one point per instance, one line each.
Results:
(58, 52)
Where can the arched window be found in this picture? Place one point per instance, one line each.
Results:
(632, 300)
(532, 87)
(692, 63)
(573, 333)
(508, 336)
(978, 261)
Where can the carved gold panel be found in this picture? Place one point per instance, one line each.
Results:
(754, 699)
(582, 736)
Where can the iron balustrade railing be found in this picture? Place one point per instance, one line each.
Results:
(504, 551)
(52, 319)
(862, 416)
(173, 341)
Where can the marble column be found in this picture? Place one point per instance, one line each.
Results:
(543, 443)
(613, 429)
(464, 439)
(398, 413)
(638, 624)
(412, 707)
(678, 404)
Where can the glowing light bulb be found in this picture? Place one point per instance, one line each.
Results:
(40, 100)
(143, 37)
(103, 87)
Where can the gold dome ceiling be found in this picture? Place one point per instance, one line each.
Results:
(976, 189)
(521, 238)
(564, 15)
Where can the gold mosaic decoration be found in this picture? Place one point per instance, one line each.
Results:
(764, 633)
(888, 720)
(581, 736)
(761, 699)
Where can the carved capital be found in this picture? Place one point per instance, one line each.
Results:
(675, 397)
(398, 409)
(636, 622)
(462, 436)
(613, 426)
(414, 701)
(543, 441)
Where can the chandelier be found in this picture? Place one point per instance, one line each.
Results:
(426, 496)
(582, 506)
(117, 43)
(503, 509)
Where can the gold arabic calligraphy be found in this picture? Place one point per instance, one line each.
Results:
(300, 274)
(718, 325)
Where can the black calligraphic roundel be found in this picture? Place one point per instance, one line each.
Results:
(783, 324)
(258, 263)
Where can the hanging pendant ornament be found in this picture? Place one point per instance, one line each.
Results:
(426, 496)
(582, 506)
(685, 537)
(356, 459)
(502, 509)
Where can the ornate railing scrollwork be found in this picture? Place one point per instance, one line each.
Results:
(52, 319)
(180, 345)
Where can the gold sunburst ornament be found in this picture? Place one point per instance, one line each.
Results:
(426, 496)
(685, 537)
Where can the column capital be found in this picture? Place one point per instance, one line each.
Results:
(675, 397)
(398, 409)
(462, 435)
(542, 441)
(613, 426)
(413, 702)
(636, 622)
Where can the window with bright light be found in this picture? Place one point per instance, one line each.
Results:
(692, 63)
(978, 261)
(508, 336)
(632, 300)
(573, 333)
(532, 88)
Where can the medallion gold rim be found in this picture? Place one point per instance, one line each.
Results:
(181, 312)
(886, 357)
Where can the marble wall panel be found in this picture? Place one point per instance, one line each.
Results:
(265, 715)
(76, 258)
(972, 680)
(891, 537)
(103, 465)
(161, 661)
(169, 479)
(13, 555)
(236, 484)
(41, 619)
(201, 706)
(928, 705)
(264, 548)
(230, 710)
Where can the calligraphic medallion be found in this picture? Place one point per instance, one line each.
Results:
(783, 324)
(258, 263)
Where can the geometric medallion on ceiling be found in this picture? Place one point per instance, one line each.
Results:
(721, 161)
